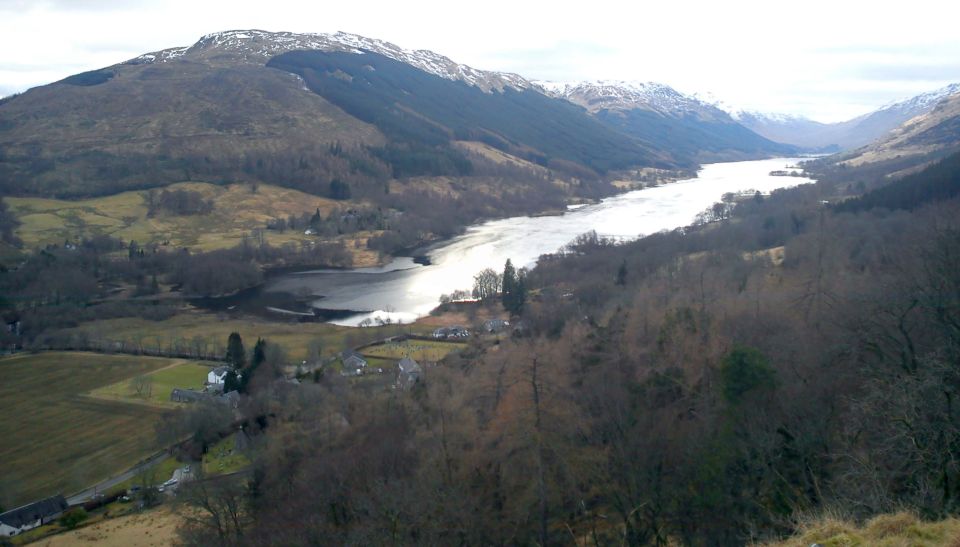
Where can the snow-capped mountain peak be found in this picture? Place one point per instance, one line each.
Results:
(923, 102)
(260, 45)
(623, 95)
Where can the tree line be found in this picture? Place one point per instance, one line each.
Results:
(705, 386)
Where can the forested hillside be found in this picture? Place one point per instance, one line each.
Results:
(705, 386)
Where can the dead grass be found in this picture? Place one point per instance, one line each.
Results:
(237, 212)
(902, 529)
(152, 528)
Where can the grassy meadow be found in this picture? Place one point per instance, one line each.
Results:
(156, 391)
(418, 350)
(296, 339)
(237, 211)
(56, 438)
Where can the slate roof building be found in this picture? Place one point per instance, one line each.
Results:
(19, 520)
(187, 395)
(409, 374)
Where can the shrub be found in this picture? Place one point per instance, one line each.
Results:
(73, 518)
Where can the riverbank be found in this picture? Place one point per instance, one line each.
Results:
(404, 294)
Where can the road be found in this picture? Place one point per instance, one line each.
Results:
(89, 493)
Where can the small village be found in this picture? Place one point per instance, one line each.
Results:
(396, 363)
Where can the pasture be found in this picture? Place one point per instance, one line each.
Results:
(55, 437)
(157, 385)
(418, 350)
(237, 212)
(209, 332)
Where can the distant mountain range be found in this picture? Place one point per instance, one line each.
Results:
(302, 109)
(845, 135)
(922, 139)
(658, 113)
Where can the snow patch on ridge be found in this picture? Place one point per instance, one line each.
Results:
(259, 44)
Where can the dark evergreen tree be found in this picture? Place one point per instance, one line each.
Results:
(235, 353)
(339, 189)
(231, 382)
(513, 288)
(520, 292)
(508, 286)
(622, 273)
(259, 356)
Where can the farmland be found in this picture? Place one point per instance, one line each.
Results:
(418, 350)
(56, 438)
(210, 332)
(238, 211)
(156, 388)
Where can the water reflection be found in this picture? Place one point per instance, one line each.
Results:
(404, 290)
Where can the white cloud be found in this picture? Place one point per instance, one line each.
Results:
(826, 59)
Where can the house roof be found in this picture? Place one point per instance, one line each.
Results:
(231, 398)
(409, 366)
(32, 512)
(354, 361)
(220, 371)
(187, 395)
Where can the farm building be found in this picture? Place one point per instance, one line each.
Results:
(495, 325)
(187, 395)
(445, 333)
(409, 374)
(218, 375)
(30, 516)
(353, 363)
(231, 399)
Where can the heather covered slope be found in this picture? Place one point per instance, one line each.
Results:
(412, 106)
(153, 123)
(220, 111)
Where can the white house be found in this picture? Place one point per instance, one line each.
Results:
(217, 376)
(30, 516)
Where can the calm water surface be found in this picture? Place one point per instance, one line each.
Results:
(404, 290)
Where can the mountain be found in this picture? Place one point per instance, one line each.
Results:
(657, 113)
(293, 109)
(923, 138)
(845, 135)
(259, 45)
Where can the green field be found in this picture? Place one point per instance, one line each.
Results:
(418, 350)
(236, 213)
(156, 391)
(56, 438)
(295, 338)
(222, 458)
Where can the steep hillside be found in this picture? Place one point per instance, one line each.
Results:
(657, 113)
(413, 106)
(924, 137)
(140, 124)
(221, 111)
(849, 134)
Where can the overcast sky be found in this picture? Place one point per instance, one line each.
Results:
(828, 60)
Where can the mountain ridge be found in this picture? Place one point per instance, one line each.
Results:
(845, 135)
(267, 44)
(650, 111)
